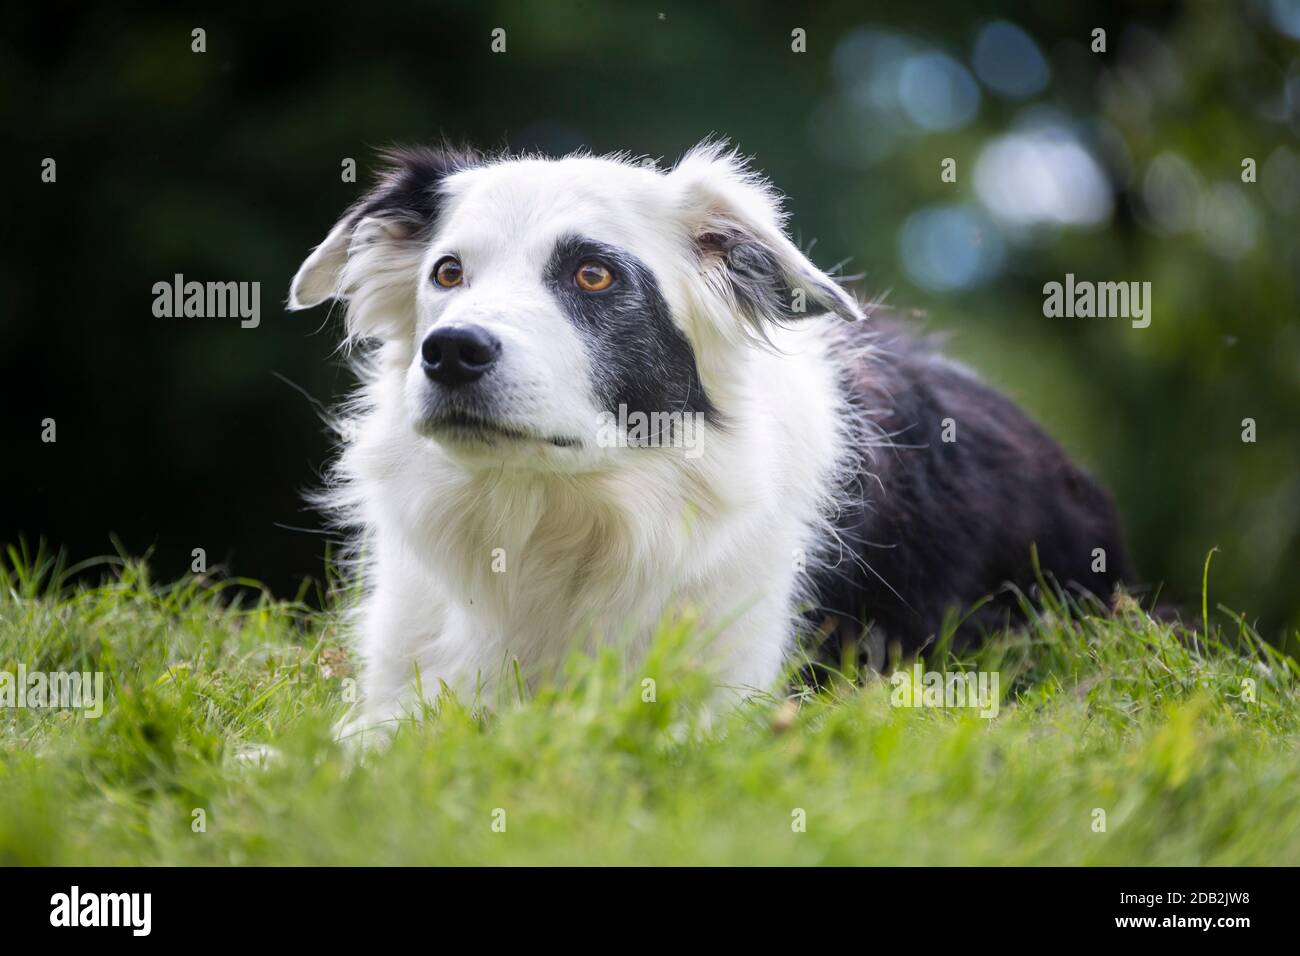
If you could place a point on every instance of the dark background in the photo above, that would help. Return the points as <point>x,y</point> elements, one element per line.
<point>1124,166</point>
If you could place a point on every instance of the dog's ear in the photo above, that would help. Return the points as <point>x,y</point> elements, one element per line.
<point>321,274</point>
<point>371,257</point>
<point>736,225</point>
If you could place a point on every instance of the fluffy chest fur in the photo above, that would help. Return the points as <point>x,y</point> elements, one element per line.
<point>526,563</point>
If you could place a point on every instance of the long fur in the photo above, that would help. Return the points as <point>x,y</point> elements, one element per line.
<point>477,555</point>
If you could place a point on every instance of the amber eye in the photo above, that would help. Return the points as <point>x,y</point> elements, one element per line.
<point>593,277</point>
<point>448,273</point>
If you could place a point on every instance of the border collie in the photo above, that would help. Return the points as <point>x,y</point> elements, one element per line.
<point>595,391</point>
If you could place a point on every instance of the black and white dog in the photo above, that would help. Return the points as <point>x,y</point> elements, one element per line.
<point>600,391</point>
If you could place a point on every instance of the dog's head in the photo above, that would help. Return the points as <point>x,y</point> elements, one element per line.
<point>537,307</point>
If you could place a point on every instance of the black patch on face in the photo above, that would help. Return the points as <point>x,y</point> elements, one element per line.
<point>409,191</point>
<point>640,359</point>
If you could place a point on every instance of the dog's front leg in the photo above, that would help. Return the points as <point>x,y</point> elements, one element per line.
<point>751,652</point>
<point>409,648</point>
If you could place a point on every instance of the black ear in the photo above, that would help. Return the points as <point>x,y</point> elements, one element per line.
<point>735,219</point>
<point>409,191</point>
<point>404,204</point>
<point>764,287</point>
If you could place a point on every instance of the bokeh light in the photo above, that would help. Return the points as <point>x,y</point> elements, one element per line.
<point>937,92</point>
<point>1042,176</point>
<point>1171,192</point>
<point>1008,61</point>
<point>948,248</point>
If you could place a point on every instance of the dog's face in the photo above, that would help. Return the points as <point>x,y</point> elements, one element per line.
<point>535,304</point>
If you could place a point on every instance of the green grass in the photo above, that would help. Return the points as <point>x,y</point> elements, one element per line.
<point>1121,714</point>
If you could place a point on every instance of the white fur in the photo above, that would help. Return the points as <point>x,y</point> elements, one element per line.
<point>599,543</point>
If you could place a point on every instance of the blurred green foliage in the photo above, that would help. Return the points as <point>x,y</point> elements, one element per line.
<point>177,434</point>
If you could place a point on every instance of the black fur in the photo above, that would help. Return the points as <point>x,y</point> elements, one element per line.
<point>639,358</point>
<point>943,525</point>
<point>762,287</point>
<point>409,189</point>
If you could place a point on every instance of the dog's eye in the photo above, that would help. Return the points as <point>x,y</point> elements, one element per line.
<point>447,273</point>
<point>593,277</point>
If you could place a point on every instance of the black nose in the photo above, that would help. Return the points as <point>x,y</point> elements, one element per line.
<point>458,354</point>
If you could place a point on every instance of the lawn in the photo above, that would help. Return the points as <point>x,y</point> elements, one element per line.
<point>1118,740</point>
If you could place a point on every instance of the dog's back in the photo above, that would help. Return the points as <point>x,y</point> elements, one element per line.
<point>952,508</point>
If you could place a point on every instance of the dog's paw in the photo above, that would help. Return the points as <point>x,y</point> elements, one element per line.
<point>256,756</point>
<point>364,733</point>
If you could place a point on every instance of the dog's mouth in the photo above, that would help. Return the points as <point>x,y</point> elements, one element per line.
<point>472,429</point>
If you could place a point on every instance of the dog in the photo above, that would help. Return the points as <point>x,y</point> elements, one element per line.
<point>595,390</point>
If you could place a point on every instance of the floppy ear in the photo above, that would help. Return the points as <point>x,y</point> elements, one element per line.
<point>321,273</point>
<point>735,221</point>
<point>371,258</point>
